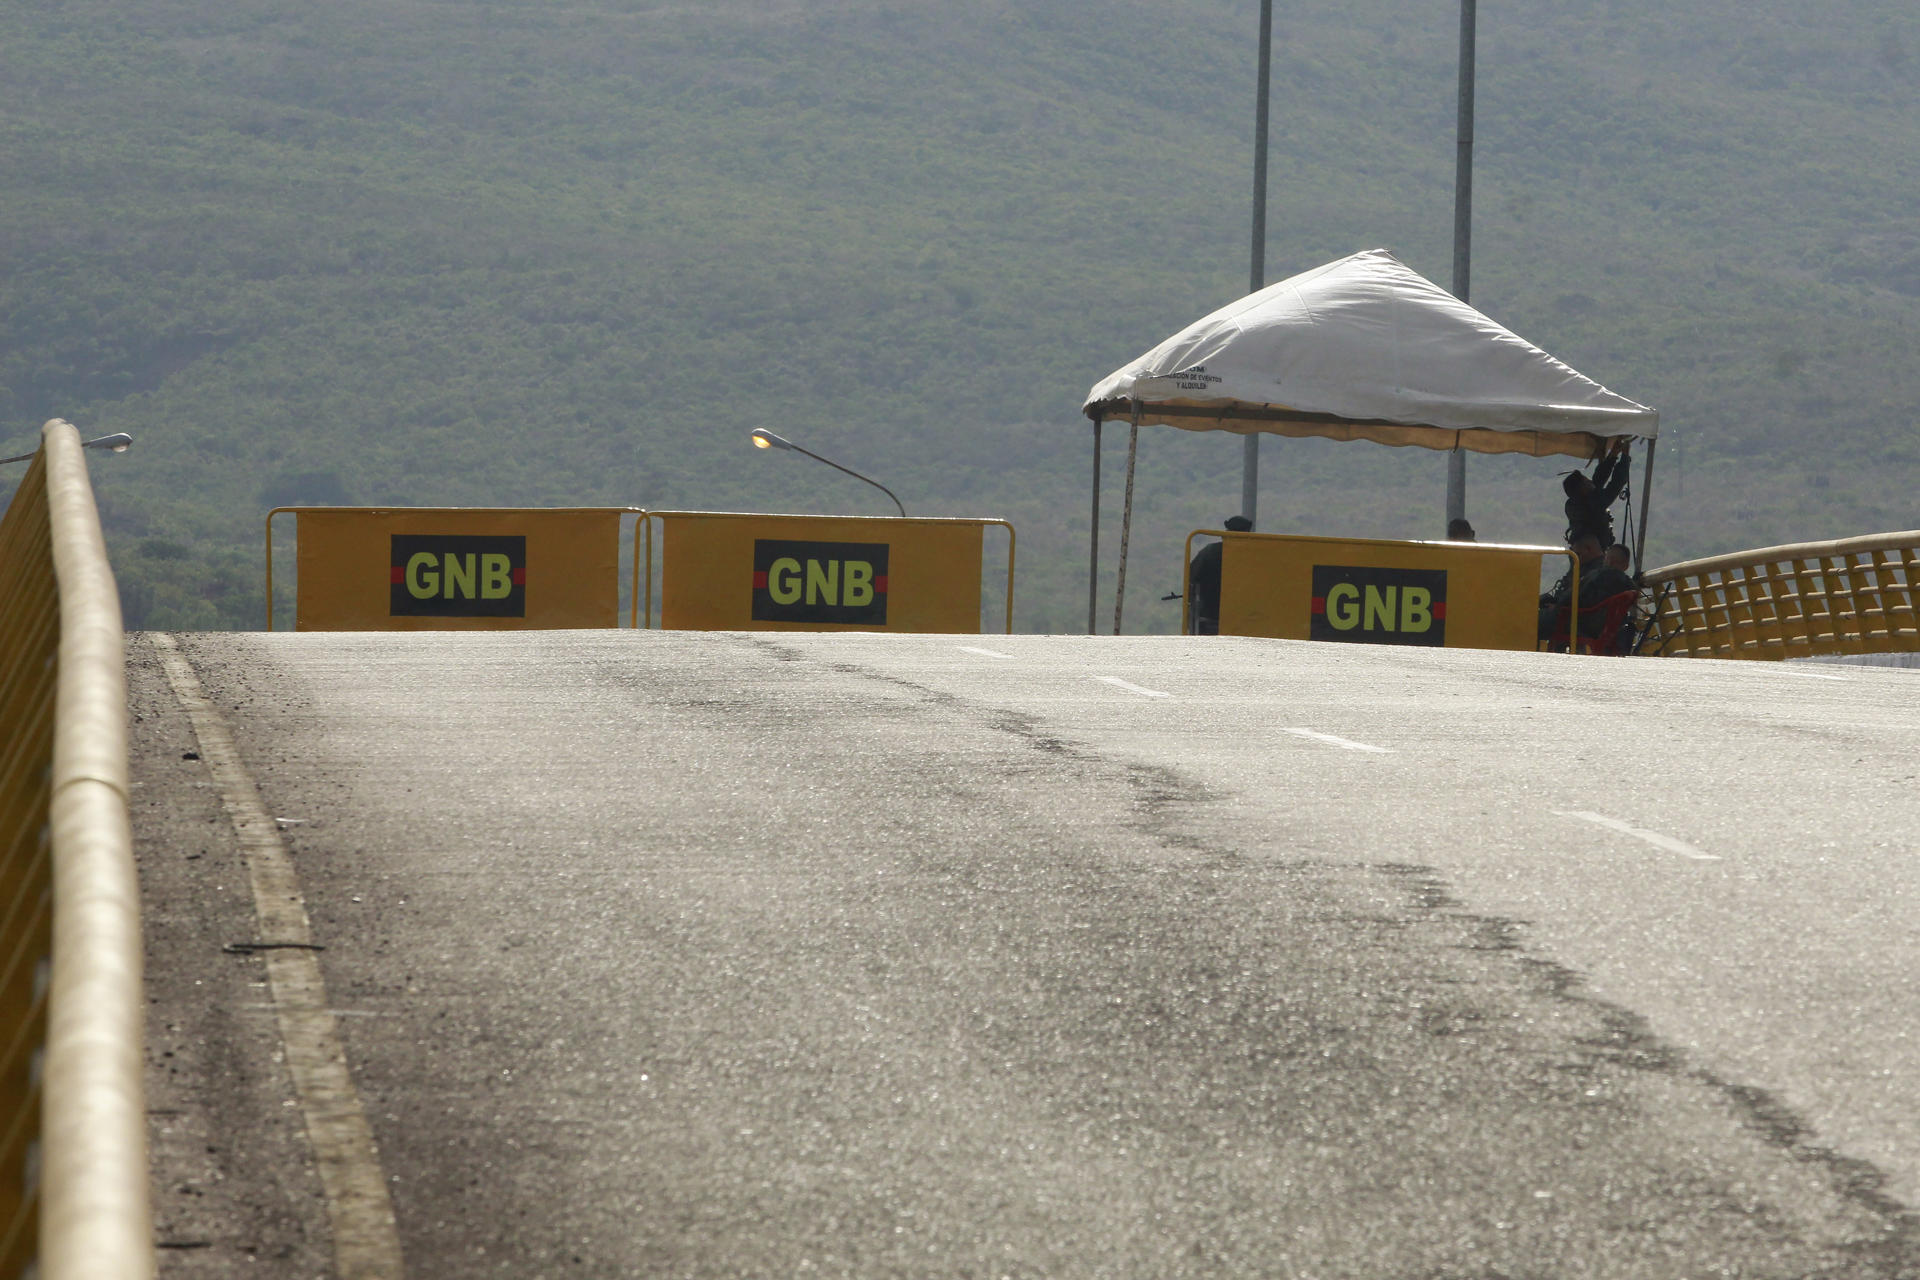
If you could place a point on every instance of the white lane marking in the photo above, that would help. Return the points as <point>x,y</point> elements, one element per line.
<point>985,653</point>
<point>1654,838</point>
<point>1812,675</point>
<point>1346,743</point>
<point>366,1242</point>
<point>1130,687</point>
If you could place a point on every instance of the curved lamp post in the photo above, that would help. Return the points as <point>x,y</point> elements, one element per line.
<point>118,442</point>
<point>765,439</point>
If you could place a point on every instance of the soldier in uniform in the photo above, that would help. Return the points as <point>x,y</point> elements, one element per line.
<point>1203,591</point>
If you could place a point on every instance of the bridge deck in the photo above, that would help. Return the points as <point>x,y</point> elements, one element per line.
<point>705,955</point>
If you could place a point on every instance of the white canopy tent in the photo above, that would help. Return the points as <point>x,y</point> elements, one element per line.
<point>1361,349</point>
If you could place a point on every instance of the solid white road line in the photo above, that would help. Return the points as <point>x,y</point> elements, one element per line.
<point>366,1241</point>
<point>1345,743</point>
<point>1812,675</point>
<point>1653,838</point>
<point>1130,687</point>
<point>985,653</point>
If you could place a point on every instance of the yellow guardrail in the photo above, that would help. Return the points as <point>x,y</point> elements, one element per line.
<point>73,1166</point>
<point>354,583</point>
<point>1855,595</point>
<point>1280,583</point>
<point>928,571</point>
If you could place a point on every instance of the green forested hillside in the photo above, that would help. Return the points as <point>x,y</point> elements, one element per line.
<point>383,251</point>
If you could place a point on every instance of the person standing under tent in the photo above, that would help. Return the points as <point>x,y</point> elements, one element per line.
<point>1203,583</point>
<point>1588,498</point>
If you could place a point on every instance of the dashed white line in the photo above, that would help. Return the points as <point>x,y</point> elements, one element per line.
<point>1347,744</point>
<point>1654,838</point>
<point>1131,687</point>
<point>985,653</point>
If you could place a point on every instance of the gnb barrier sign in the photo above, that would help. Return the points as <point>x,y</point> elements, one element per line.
<point>728,571</point>
<point>458,576</point>
<point>1368,591</point>
<point>1379,606</point>
<point>843,583</point>
<point>424,568</point>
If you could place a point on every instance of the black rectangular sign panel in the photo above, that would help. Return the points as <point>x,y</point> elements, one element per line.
<point>459,575</point>
<point>1365,605</point>
<point>843,582</point>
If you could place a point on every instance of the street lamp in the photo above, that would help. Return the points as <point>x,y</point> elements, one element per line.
<point>118,442</point>
<point>765,439</point>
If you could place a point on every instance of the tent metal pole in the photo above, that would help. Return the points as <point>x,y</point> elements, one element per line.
<point>1646,504</point>
<point>1093,538</point>
<point>1126,520</point>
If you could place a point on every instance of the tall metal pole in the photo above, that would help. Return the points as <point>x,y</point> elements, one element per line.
<point>1257,270</point>
<point>1462,231</point>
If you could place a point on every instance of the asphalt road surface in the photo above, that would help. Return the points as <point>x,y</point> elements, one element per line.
<point>658,954</point>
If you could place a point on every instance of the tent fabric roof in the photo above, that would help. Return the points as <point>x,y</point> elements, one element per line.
<point>1367,349</point>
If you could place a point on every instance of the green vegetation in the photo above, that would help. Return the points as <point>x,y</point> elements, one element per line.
<point>530,254</point>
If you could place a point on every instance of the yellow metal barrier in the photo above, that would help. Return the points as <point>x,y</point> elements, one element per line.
<point>1857,595</point>
<point>455,568</point>
<point>1457,595</point>
<point>29,637</point>
<point>73,1169</point>
<point>738,571</point>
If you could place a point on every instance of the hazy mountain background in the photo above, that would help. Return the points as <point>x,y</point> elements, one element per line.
<point>388,251</point>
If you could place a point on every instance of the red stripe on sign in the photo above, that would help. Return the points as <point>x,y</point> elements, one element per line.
<point>759,580</point>
<point>1439,610</point>
<point>520,576</point>
<point>1319,604</point>
<point>399,575</point>
<point>880,585</point>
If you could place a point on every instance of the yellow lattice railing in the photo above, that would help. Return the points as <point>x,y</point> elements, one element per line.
<point>73,1168</point>
<point>1858,595</point>
<point>29,633</point>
